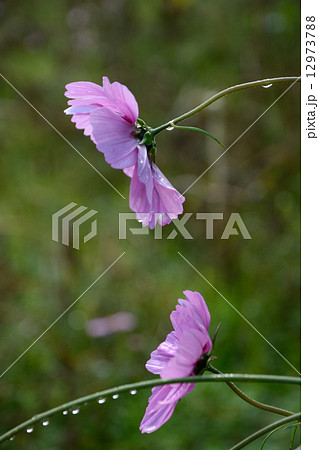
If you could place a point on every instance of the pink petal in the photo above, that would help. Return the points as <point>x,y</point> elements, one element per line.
<point>163,353</point>
<point>138,198</point>
<point>87,96</point>
<point>170,345</point>
<point>83,89</point>
<point>190,315</point>
<point>146,219</point>
<point>144,172</point>
<point>176,392</point>
<point>162,404</point>
<point>169,200</point>
<point>199,303</point>
<point>168,393</point>
<point>159,394</point>
<point>189,352</point>
<point>113,137</point>
<point>153,420</point>
<point>80,109</point>
<point>183,318</point>
<point>89,100</point>
<point>123,97</point>
<point>97,102</point>
<point>82,122</point>
<point>157,363</point>
<point>129,171</point>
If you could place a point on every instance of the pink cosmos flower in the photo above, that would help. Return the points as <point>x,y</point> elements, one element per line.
<point>109,115</point>
<point>178,356</point>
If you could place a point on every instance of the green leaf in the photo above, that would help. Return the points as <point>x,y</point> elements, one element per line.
<point>200,131</point>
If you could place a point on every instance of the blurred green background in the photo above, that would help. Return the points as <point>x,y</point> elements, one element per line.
<point>172,55</point>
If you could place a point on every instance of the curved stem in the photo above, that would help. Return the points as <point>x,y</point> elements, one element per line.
<point>270,434</point>
<point>293,435</point>
<point>250,400</point>
<point>237,87</point>
<point>247,378</point>
<point>257,404</point>
<point>265,430</point>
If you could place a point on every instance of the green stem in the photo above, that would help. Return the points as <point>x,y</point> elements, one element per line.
<point>237,87</point>
<point>250,400</point>
<point>293,435</point>
<point>257,404</point>
<point>265,430</point>
<point>270,434</point>
<point>246,378</point>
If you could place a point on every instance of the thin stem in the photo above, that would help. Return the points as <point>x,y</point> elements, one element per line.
<point>237,87</point>
<point>293,435</point>
<point>250,400</point>
<point>265,430</point>
<point>257,404</point>
<point>246,378</point>
<point>270,434</point>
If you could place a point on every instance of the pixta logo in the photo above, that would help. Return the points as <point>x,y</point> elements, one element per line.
<point>234,226</point>
<point>69,221</point>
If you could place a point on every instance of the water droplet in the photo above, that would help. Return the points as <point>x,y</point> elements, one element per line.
<point>170,127</point>
<point>12,437</point>
<point>115,396</point>
<point>133,392</point>
<point>45,423</point>
<point>75,411</point>
<point>101,401</point>
<point>266,86</point>
<point>29,430</point>
<point>65,412</point>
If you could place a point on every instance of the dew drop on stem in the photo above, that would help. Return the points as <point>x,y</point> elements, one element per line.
<point>45,423</point>
<point>29,430</point>
<point>133,392</point>
<point>115,396</point>
<point>101,401</point>
<point>266,86</point>
<point>75,411</point>
<point>65,412</point>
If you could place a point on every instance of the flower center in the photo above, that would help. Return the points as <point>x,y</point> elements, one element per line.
<point>201,364</point>
<point>144,136</point>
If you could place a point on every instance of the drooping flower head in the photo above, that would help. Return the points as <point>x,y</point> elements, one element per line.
<point>180,355</point>
<point>109,115</point>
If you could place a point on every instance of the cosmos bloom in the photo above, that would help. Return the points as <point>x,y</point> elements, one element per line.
<point>109,115</point>
<point>180,355</point>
